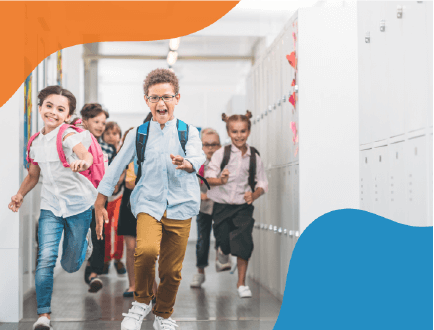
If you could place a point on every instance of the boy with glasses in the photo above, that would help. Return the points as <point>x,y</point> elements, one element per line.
<point>164,200</point>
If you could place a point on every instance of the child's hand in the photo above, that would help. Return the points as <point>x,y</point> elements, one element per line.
<point>79,166</point>
<point>182,163</point>
<point>101,215</point>
<point>225,176</point>
<point>203,197</point>
<point>16,202</point>
<point>248,197</point>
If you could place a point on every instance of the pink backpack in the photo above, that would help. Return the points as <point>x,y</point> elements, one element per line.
<point>95,172</point>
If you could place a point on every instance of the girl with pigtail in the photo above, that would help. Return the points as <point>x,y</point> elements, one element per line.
<point>237,177</point>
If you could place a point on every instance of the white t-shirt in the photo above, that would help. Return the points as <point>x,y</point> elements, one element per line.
<point>65,193</point>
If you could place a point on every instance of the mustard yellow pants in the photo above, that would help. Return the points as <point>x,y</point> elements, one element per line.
<point>167,238</point>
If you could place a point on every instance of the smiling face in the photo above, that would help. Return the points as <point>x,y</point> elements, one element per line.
<point>238,132</point>
<point>54,111</point>
<point>162,111</point>
<point>96,125</point>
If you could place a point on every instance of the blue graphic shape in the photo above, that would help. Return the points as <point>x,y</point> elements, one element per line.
<point>352,269</point>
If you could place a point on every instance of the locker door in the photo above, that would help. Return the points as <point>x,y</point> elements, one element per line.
<point>430,181</point>
<point>278,96</point>
<point>263,117</point>
<point>366,191</point>
<point>380,181</point>
<point>417,182</point>
<point>365,93</point>
<point>397,85</point>
<point>274,236</point>
<point>296,199</point>
<point>396,176</point>
<point>417,43</point>
<point>430,27</point>
<point>271,117</point>
<point>379,64</point>
<point>296,75</point>
<point>286,106</point>
<point>287,240</point>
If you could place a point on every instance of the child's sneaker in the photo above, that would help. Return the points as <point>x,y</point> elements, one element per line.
<point>198,279</point>
<point>89,245</point>
<point>164,324</point>
<point>43,323</point>
<point>223,261</point>
<point>133,320</point>
<point>244,292</point>
<point>120,268</point>
<point>95,285</point>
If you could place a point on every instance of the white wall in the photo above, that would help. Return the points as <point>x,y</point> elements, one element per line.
<point>10,275</point>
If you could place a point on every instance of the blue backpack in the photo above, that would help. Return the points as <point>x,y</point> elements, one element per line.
<point>142,139</point>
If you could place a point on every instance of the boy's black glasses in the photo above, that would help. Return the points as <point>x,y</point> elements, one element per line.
<point>165,98</point>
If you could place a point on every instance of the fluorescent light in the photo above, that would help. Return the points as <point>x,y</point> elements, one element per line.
<point>172,57</point>
<point>174,43</point>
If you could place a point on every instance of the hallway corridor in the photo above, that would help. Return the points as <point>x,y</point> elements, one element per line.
<point>214,307</point>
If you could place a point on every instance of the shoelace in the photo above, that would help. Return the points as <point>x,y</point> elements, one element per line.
<point>135,313</point>
<point>168,324</point>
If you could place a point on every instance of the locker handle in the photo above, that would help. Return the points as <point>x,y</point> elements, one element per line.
<point>297,234</point>
<point>269,109</point>
<point>285,232</point>
<point>279,230</point>
<point>270,228</point>
<point>291,233</point>
<point>284,98</point>
<point>275,229</point>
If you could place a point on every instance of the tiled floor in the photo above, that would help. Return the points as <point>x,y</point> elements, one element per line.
<point>214,307</point>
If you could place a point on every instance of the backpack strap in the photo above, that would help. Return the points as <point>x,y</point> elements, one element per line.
<point>252,168</point>
<point>182,133</point>
<point>226,156</point>
<point>141,140</point>
<point>59,141</point>
<point>28,159</point>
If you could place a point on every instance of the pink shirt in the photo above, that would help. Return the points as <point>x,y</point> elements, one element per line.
<point>233,191</point>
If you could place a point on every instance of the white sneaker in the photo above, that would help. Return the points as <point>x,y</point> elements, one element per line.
<point>164,324</point>
<point>197,281</point>
<point>89,245</point>
<point>244,292</point>
<point>133,320</point>
<point>43,323</point>
<point>223,261</point>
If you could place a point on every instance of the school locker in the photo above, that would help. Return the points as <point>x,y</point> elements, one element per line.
<point>263,117</point>
<point>417,181</point>
<point>271,112</point>
<point>275,252</point>
<point>430,181</point>
<point>430,28</point>
<point>396,175</point>
<point>278,101</point>
<point>417,41</point>
<point>366,186</point>
<point>286,106</point>
<point>365,91</point>
<point>397,85</point>
<point>378,33</point>
<point>380,181</point>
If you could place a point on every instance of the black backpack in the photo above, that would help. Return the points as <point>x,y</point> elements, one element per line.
<point>252,166</point>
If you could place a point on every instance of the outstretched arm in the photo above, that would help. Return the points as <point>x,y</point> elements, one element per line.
<point>28,184</point>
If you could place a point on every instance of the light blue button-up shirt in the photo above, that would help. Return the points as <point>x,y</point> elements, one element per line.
<point>161,187</point>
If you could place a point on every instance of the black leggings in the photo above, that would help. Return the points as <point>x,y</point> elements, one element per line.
<point>97,258</point>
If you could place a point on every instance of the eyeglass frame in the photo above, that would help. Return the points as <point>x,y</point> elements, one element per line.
<point>161,98</point>
<point>213,145</point>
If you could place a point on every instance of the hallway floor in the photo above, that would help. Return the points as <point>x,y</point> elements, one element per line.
<point>216,306</point>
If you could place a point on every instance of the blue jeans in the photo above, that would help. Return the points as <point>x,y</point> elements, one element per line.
<point>50,231</point>
<point>204,224</point>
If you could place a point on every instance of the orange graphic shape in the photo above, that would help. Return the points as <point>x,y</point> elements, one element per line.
<point>32,30</point>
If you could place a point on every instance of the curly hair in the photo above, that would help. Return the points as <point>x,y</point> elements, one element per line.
<point>91,110</point>
<point>245,118</point>
<point>160,76</point>
<point>58,90</point>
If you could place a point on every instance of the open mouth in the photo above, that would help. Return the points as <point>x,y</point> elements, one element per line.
<point>162,112</point>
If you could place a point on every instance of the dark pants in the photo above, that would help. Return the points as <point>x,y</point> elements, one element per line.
<point>233,227</point>
<point>97,258</point>
<point>204,224</point>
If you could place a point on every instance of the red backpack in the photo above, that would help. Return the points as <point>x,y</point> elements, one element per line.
<point>95,172</point>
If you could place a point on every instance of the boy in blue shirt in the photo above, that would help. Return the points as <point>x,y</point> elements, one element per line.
<point>164,200</point>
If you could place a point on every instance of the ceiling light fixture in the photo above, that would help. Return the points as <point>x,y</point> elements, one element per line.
<point>174,43</point>
<point>172,57</point>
